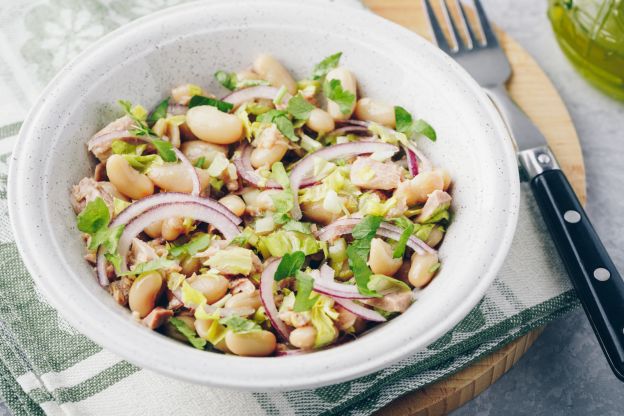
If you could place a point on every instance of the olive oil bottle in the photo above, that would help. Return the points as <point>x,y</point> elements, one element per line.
<point>591,34</point>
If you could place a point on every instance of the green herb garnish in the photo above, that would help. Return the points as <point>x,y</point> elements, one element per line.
<point>198,100</point>
<point>322,68</point>
<point>94,220</point>
<point>357,252</point>
<point>150,266</point>
<point>406,125</point>
<point>399,250</point>
<point>304,286</point>
<point>289,265</point>
<point>281,120</point>
<point>333,91</point>
<point>299,107</point>
<point>188,332</point>
<point>227,79</point>
<point>165,150</point>
<point>159,112</point>
<point>238,324</point>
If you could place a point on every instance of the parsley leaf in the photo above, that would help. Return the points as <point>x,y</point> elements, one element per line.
<point>188,332</point>
<point>150,266</point>
<point>193,246</point>
<point>239,324</point>
<point>199,163</point>
<point>283,123</point>
<point>322,68</point>
<point>358,251</point>
<point>227,79</point>
<point>304,286</point>
<point>165,150</point>
<point>93,217</point>
<point>140,162</point>
<point>399,250</point>
<point>137,114</point>
<point>333,91</point>
<point>367,228</point>
<point>403,120</point>
<point>405,124</point>
<point>299,107</point>
<point>289,265</point>
<point>159,112</point>
<point>108,237</point>
<point>424,128</point>
<point>198,100</point>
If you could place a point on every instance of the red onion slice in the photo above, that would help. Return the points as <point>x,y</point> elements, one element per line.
<point>352,122</point>
<point>359,310</point>
<point>191,171</point>
<point>357,130</point>
<point>412,161</point>
<point>266,296</point>
<point>387,230</point>
<point>325,284</point>
<point>253,93</point>
<point>248,173</point>
<point>305,165</point>
<point>107,138</point>
<point>191,210</point>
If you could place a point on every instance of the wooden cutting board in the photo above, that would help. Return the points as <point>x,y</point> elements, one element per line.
<point>534,92</point>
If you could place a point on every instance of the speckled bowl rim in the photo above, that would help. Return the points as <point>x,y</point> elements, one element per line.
<point>335,365</point>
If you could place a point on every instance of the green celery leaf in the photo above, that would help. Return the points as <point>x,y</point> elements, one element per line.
<point>403,120</point>
<point>399,250</point>
<point>304,286</point>
<point>165,150</point>
<point>188,332</point>
<point>239,324</point>
<point>227,79</point>
<point>150,266</point>
<point>159,112</point>
<point>198,100</point>
<point>198,243</point>
<point>367,228</point>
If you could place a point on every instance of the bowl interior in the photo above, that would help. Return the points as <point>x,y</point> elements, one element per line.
<point>142,62</point>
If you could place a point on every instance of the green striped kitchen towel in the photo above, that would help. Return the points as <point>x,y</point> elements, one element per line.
<point>46,367</point>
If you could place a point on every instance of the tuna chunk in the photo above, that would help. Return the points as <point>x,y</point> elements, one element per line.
<point>120,290</point>
<point>157,317</point>
<point>436,202</point>
<point>102,148</point>
<point>368,173</point>
<point>88,190</point>
<point>392,302</point>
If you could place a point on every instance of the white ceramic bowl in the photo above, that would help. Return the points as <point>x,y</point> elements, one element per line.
<point>142,61</point>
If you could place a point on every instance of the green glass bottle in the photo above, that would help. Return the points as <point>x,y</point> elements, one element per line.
<point>591,34</point>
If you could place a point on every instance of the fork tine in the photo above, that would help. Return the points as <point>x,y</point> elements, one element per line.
<point>471,36</point>
<point>453,27</point>
<point>488,33</point>
<point>438,34</point>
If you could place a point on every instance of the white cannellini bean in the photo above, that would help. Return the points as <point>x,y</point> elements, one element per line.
<point>349,83</point>
<point>420,271</point>
<point>320,121</point>
<point>212,286</point>
<point>144,292</point>
<point>234,203</point>
<point>195,149</point>
<point>126,179</point>
<point>303,337</point>
<point>271,70</point>
<point>417,189</point>
<point>174,177</point>
<point>251,344</point>
<point>214,126</point>
<point>380,258</point>
<point>379,112</point>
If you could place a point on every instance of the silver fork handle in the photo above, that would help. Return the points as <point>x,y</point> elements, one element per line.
<point>517,121</point>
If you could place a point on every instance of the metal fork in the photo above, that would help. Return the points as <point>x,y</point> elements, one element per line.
<point>598,284</point>
<point>487,64</point>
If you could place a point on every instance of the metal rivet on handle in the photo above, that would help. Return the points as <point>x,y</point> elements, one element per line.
<point>572,216</point>
<point>543,159</point>
<point>602,274</point>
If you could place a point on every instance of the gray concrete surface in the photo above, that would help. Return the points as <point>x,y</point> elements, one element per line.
<point>565,373</point>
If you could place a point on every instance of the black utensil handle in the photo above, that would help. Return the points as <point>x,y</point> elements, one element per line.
<point>598,284</point>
